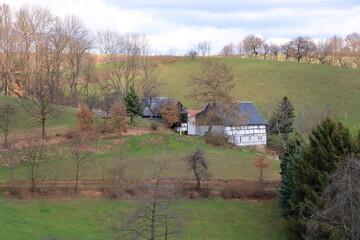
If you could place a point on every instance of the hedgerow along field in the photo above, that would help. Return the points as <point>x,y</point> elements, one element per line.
<point>313,85</point>
<point>89,218</point>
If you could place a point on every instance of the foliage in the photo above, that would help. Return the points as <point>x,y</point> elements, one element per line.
<point>287,167</point>
<point>118,117</point>
<point>282,120</point>
<point>132,103</point>
<point>170,113</point>
<point>261,164</point>
<point>85,120</point>
<point>329,142</point>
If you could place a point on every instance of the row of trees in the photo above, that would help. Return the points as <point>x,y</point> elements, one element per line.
<point>48,59</point>
<point>344,52</point>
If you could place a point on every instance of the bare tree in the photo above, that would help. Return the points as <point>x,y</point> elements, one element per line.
<point>274,49</point>
<point>307,118</point>
<point>203,48</point>
<point>198,165</point>
<point>302,47</point>
<point>7,112</point>
<point>288,50</point>
<point>266,49</point>
<point>39,106</point>
<point>338,51</point>
<point>32,23</point>
<point>81,154</point>
<point>78,47</point>
<point>323,50</point>
<point>9,50</point>
<point>239,48</point>
<point>352,41</point>
<point>228,50</point>
<point>340,219</point>
<point>126,61</point>
<point>154,218</point>
<point>34,156</point>
<point>252,44</point>
<point>192,53</point>
<point>213,86</point>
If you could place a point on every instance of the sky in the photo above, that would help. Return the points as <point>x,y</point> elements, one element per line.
<point>181,24</point>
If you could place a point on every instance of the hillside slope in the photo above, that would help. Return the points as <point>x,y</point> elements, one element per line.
<point>313,85</point>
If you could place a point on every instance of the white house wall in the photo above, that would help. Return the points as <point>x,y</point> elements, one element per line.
<point>246,135</point>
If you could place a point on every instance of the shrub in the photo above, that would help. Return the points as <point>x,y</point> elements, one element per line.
<point>217,140</point>
<point>154,126</point>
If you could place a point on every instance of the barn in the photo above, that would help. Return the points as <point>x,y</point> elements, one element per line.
<point>249,131</point>
<point>152,107</point>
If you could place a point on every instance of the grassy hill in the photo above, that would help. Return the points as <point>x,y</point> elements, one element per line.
<point>313,85</point>
<point>142,155</point>
<point>23,125</point>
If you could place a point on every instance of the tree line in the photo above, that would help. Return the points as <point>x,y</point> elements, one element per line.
<point>49,59</point>
<point>335,50</point>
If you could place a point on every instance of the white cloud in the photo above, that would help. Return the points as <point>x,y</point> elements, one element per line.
<point>182,29</point>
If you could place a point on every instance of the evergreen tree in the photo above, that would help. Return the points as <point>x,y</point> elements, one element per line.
<point>329,142</point>
<point>132,103</point>
<point>288,165</point>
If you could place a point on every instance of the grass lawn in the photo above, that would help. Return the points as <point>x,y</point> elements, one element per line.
<point>78,218</point>
<point>313,85</point>
<point>142,155</point>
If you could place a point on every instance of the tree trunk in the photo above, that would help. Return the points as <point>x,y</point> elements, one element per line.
<point>43,133</point>
<point>153,221</point>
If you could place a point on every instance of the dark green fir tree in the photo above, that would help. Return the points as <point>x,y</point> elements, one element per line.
<point>288,165</point>
<point>282,120</point>
<point>329,142</point>
<point>133,105</point>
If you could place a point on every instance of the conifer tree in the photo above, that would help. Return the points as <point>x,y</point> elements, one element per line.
<point>329,142</point>
<point>133,105</point>
<point>282,120</point>
<point>288,165</point>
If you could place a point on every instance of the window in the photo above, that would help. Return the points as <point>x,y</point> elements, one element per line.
<point>260,138</point>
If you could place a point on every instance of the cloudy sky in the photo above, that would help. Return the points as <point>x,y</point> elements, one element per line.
<point>181,24</point>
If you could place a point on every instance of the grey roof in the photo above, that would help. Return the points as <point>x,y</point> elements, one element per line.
<point>247,111</point>
<point>156,104</point>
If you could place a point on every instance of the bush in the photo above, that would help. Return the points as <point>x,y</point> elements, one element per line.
<point>217,140</point>
<point>247,191</point>
<point>154,126</point>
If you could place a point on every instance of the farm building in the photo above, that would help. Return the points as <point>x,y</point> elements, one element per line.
<point>152,108</point>
<point>240,122</point>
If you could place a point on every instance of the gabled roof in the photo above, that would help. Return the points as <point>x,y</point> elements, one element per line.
<point>156,104</point>
<point>193,112</point>
<point>247,111</point>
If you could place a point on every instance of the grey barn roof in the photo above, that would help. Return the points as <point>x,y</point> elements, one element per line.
<point>156,104</point>
<point>247,109</point>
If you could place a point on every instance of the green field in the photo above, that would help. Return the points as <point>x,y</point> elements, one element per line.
<point>312,85</point>
<point>142,155</point>
<point>88,218</point>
